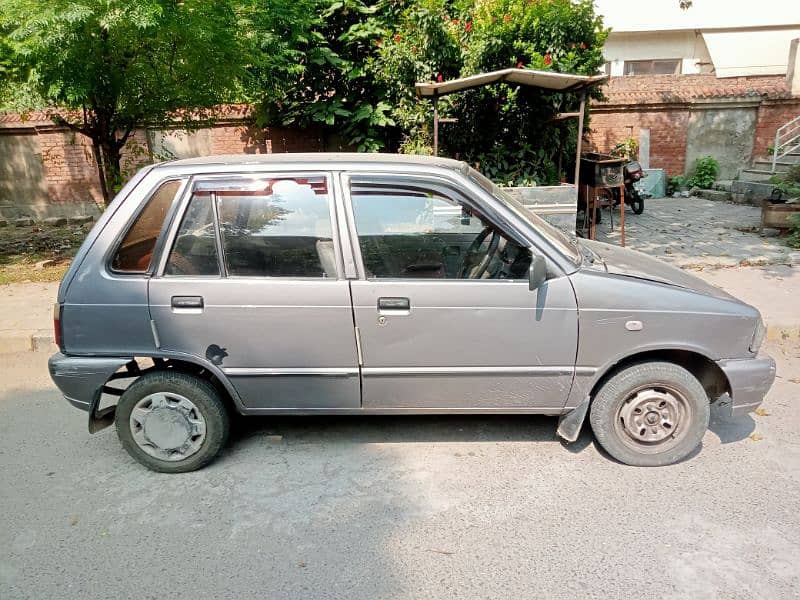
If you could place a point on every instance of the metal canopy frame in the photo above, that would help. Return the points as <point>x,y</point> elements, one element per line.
<point>549,80</point>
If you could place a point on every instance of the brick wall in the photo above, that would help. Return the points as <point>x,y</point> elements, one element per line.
<point>771,115</point>
<point>663,103</point>
<point>668,133</point>
<point>70,171</point>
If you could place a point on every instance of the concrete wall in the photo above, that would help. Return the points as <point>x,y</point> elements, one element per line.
<point>724,131</point>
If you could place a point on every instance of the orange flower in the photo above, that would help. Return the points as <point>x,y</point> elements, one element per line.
<point>548,60</point>
<point>506,18</point>
<point>397,38</point>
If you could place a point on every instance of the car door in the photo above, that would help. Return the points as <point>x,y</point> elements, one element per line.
<point>251,283</point>
<point>443,309</point>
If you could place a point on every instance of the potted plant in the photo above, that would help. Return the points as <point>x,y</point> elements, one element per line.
<point>777,213</point>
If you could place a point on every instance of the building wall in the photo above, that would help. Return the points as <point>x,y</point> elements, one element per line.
<point>685,45</point>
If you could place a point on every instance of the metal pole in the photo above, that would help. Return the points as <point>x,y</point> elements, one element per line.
<point>578,150</point>
<point>775,149</point>
<point>436,125</point>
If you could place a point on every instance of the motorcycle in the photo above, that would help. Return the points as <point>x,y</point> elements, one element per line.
<point>631,172</point>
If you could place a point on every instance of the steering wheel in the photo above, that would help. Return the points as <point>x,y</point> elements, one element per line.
<point>468,271</point>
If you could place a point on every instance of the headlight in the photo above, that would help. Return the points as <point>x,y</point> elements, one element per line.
<point>758,337</point>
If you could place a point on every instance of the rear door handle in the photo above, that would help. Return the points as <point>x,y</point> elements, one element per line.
<point>390,304</point>
<point>187,303</point>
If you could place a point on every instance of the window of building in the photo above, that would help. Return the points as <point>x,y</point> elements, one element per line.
<point>415,232</point>
<point>195,249</point>
<point>135,253</point>
<point>671,66</point>
<point>277,228</point>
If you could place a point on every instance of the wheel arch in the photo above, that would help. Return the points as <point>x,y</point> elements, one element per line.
<point>100,418</point>
<point>708,373</point>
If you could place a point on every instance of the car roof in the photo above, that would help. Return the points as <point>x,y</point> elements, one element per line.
<point>329,159</point>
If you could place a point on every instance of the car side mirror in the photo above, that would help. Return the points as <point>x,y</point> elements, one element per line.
<point>537,274</point>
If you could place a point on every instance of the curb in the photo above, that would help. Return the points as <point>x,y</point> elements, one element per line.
<point>42,340</point>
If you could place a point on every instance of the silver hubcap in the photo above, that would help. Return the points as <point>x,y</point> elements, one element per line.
<point>653,415</point>
<point>167,426</point>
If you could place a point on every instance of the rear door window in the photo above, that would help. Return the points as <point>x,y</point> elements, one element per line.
<point>277,227</point>
<point>135,252</point>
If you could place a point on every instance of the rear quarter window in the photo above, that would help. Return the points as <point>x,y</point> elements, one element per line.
<point>135,252</point>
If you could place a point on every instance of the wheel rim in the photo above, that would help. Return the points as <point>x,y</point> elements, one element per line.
<point>167,426</point>
<point>653,418</point>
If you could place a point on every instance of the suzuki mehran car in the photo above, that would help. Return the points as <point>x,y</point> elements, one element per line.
<point>381,284</point>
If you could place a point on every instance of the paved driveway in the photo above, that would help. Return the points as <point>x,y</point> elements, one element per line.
<point>395,507</point>
<point>699,233</point>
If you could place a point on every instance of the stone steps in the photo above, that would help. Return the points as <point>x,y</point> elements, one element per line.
<point>756,175</point>
<point>750,192</point>
<point>782,166</point>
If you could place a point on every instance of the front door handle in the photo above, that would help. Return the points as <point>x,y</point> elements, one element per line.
<point>394,305</point>
<point>187,303</point>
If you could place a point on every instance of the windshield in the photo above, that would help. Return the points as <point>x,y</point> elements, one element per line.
<point>565,243</point>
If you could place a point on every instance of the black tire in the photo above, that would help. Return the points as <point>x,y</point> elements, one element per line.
<point>636,386</point>
<point>638,205</point>
<point>205,398</point>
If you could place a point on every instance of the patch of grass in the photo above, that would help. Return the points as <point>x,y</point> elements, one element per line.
<point>22,248</point>
<point>23,270</point>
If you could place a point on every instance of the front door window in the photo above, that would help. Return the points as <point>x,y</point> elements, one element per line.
<point>420,233</point>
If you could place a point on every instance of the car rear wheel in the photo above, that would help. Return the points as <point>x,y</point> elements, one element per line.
<point>650,414</point>
<point>172,422</point>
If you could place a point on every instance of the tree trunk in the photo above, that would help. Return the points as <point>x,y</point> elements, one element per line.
<point>101,172</point>
<point>109,168</point>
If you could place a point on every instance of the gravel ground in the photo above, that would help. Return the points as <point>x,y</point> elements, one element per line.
<point>395,507</point>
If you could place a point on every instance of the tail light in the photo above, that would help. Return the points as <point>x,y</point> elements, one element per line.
<point>57,323</point>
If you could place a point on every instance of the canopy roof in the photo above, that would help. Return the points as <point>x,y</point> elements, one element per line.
<point>563,82</point>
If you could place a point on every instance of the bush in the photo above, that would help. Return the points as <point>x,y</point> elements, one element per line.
<point>677,183</point>
<point>704,173</point>
<point>794,234</point>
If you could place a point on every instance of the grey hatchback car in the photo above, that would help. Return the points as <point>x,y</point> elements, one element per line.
<point>382,284</point>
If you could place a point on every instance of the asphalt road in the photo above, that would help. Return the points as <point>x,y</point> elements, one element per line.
<point>395,507</point>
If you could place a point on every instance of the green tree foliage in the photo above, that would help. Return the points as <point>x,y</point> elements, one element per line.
<point>106,67</point>
<point>508,131</point>
<point>347,66</point>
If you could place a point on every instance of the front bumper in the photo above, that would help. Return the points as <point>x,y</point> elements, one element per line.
<point>81,378</point>
<point>750,380</point>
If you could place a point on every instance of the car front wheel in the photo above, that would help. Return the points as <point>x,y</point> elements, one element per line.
<point>172,422</point>
<point>650,414</point>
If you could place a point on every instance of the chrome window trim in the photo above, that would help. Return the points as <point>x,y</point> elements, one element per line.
<point>284,372</point>
<point>534,371</point>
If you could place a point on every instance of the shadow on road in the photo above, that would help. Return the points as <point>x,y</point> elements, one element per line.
<point>399,429</point>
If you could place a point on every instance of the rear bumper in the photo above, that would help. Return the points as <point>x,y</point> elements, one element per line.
<point>81,378</point>
<point>750,380</point>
